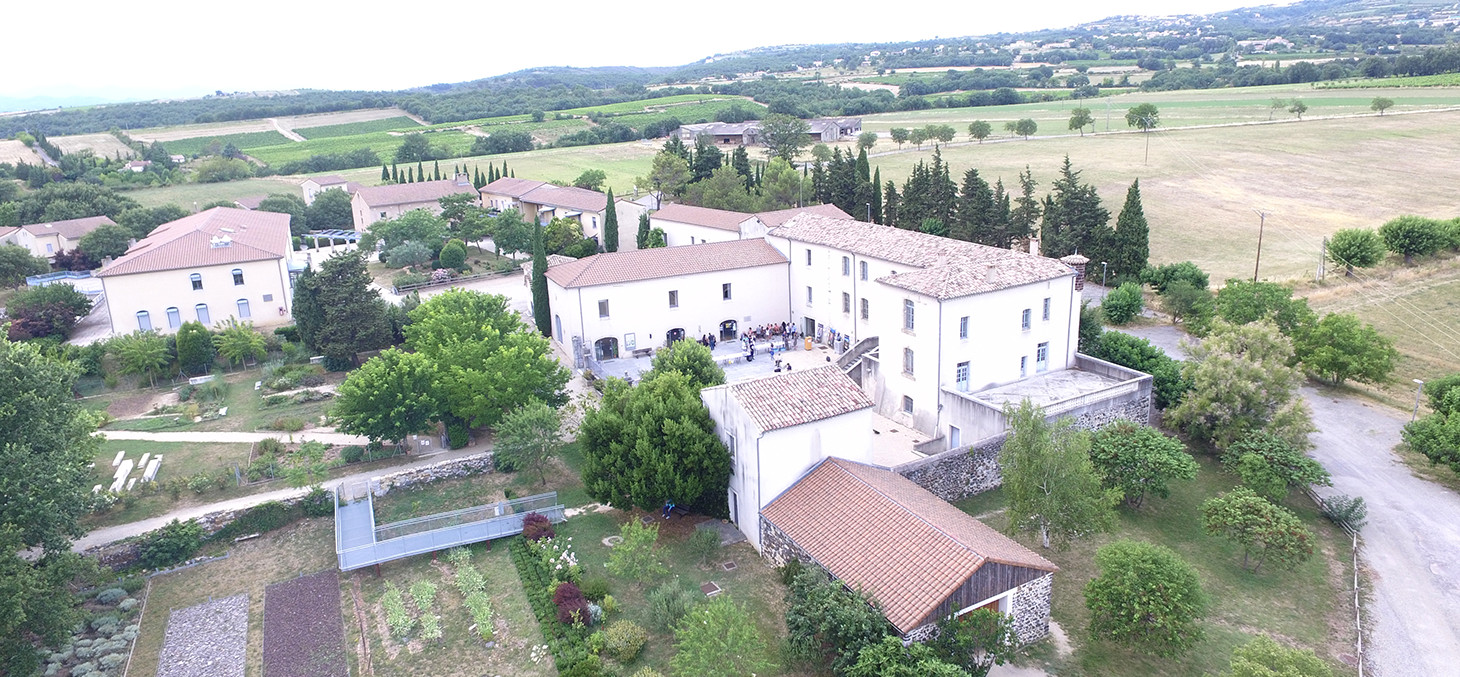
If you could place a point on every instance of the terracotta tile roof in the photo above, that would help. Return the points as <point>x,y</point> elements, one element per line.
<point>874,529</point>
<point>649,264</point>
<point>71,229</point>
<point>407,193</point>
<point>552,260</point>
<point>251,202</point>
<point>702,216</point>
<point>7,230</point>
<point>580,199</point>
<point>787,400</point>
<point>190,242</point>
<point>942,267</point>
<point>776,218</point>
<point>511,187</point>
<point>328,180</point>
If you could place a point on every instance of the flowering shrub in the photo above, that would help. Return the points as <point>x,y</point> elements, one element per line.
<point>536,527</point>
<point>557,558</point>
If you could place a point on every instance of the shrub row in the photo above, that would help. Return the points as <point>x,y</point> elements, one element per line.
<point>566,642</point>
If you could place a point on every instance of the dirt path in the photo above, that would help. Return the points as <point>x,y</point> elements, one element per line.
<point>323,435</point>
<point>285,130</point>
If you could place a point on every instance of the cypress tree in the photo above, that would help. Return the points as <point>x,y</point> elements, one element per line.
<point>876,196</point>
<point>1025,214</point>
<point>890,216</point>
<point>642,240</point>
<point>410,175</point>
<point>999,218</point>
<point>610,225</point>
<point>437,165</point>
<point>420,171</point>
<point>1132,240</point>
<point>384,172</point>
<point>541,314</point>
<point>975,211</point>
<point>395,172</point>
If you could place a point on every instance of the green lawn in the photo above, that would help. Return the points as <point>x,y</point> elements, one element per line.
<point>181,460</point>
<point>246,410</point>
<point>245,140</point>
<point>383,143</point>
<point>353,128</point>
<point>1309,606</point>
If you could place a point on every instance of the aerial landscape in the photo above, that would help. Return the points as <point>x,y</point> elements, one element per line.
<point>1026,341</point>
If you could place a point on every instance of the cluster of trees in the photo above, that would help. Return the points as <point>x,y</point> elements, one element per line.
<point>704,176</point>
<point>467,361</point>
<point>1437,434</point>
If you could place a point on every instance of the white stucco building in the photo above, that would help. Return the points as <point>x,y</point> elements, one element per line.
<point>53,237</point>
<point>778,427</point>
<point>314,185</point>
<point>541,202</point>
<point>377,203</point>
<point>211,266</point>
<point>686,224</point>
<point>615,303</point>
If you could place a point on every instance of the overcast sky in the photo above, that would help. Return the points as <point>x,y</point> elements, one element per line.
<point>154,48</point>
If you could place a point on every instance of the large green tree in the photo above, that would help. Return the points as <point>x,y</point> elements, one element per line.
<point>979,129</point>
<point>194,348</point>
<point>542,314</point>
<point>1137,353</point>
<point>1355,248</point>
<point>487,360</point>
<point>1242,301</point>
<point>1145,597</point>
<point>291,204</point>
<point>528,438</point>
<point>17,263</point>
<point>668,173</point>
<point>1411,236</point>
<point>510,232</point>
<point>1144,117</point>
<point>828,623</point>
<point>237,342</point>
<point>1265,531</point>
<point>143,353</point>
<point>1131,243</point>
<point>1341,347</point>
<point>890,658</point>
<point>1074,219</point>
<point>46,442</point>
<point>719,639</point>
<point>691,359</point>
<point>1051,484</point>
<point>1262,657</point>
<point>976,641</point>
<point>784,136</point>
<point>390,397</point>
<point>1138,460</point>
<point>52,310</point>
<point>654,442</point>
<point>1080,118</point>
<point>331,209</point>
<point>1271,466</point>
<point>106,242</point>
<point>338,313</point>
<point>1240,383</point>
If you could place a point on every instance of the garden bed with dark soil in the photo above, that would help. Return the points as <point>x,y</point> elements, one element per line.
<point>304,633</point>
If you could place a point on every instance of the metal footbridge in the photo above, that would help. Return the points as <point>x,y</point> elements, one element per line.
<point>360,542</point>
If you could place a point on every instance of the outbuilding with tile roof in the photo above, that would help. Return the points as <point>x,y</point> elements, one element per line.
<point>377,203</point>
<point>917,556</point>
<point>48,238</point>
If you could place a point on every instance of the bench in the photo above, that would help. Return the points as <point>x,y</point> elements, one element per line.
<point>643,352</point>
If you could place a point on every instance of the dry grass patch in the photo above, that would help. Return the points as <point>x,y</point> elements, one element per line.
<point>15,152</point>
<point>103,145</point>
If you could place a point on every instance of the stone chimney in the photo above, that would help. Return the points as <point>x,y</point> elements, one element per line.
<point>1077,263</point>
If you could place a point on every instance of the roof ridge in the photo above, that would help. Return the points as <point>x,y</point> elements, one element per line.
<point>982,557</point>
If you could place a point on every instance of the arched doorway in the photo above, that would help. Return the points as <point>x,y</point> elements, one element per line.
<point>728,330</point>
<point>676,334</point>
<point>605,348</point>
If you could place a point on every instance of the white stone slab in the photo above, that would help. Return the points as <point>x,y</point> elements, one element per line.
<point>125,470</point>
<point>131,483</point>
<point>150,473</point>
<point>96,489</point>
<point>143,463</point>
<point>118,460</point>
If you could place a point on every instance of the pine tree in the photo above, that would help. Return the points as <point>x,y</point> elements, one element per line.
<point>642,239</point>
<point>384,172</point>
<point>1025,215</point>
<point>1077,222</point>
<point>1000,222</point>
<point>610,225</point>
<point>740,160</point>
<point>541,314</point>
<point>890,205</point>
<point>975,211</point>
<point>1132,241</point>
<point>876,196</point>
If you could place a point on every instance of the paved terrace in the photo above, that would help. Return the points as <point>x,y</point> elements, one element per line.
<point>1048,388</point>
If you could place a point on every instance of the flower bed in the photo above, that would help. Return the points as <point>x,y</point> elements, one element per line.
<point>207,640</point>
<point>303,630</point>
<point>567,643</point>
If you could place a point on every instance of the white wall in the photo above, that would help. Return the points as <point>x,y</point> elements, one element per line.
<point>764,464</point>
<point>312,190</point>
<point>628,223</point>
<point>758,296</point>
<point>677,233</point>
<point>367,214</point>
<point>156,292</point>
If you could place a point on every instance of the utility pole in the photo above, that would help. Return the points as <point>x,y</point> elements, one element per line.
<point>1261,225</point>
<point>1146,126</point>
<point>1419,388</point>
<point>1323,260</point>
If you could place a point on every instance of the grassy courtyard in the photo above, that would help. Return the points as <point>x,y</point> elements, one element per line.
<point>1310,606</point>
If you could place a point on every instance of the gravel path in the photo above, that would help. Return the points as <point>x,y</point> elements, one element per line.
<point>207,640</point>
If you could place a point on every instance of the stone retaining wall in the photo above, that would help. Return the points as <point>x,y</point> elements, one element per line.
<point>959,473</point>
<point>778,548</point>
<point>458,467</point>
<point>1030,609</point>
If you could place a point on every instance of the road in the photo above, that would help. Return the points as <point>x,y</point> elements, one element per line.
<point>116,533</point>
<point>1411,546</point>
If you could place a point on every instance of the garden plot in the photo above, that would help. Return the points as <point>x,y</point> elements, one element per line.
<point>207,640</point>
<point>303,631</point>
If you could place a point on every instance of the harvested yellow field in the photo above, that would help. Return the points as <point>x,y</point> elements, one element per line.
<point>103,145</point>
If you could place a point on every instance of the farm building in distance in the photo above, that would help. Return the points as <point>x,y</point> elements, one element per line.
<point>822,130</point>
<point>377,203</point>
<point>53,237</point>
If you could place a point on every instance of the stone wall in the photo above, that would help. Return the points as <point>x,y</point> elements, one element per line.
<point>959,473</point>
<point>778,548</point>
<point>1030,609</point>
<point>458,467</point>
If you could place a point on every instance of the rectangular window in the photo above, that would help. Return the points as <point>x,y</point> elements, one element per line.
<point>846,303</point>
<point>197,281</point>
<point>734,459</point>
<point>808,257</point>
<point>725,291</point>
<point>674,298</point>
<point>907,315</point>
<point>907,361</point>
<point>863,266</point>
<point>907,404</point>
<point>955,437</point>
<point>50,248</point>
<point>1023,366</point>
<point>603,308</point>
<point>864,309</point>
<point>1046,309</point>
<point>846,267</point>
<point>1041,357</point>
<point>268,298</point>
<point>202,310</point>
<point>960,377</point>
<point>963,327</point>
<point>144,320</point>
<point>243,311</point>
<point>237,277</point>
<point>808,295</point>
<point>1024,320</point>
<point>174,318</point>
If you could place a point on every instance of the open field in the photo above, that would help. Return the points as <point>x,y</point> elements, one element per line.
<point>1418,307</point>
<point>103,145</point>
<point>383,143</point>
<point>305,547</point>
<point>15,152</point>
<point>1310,606</point>
<point>353,128</point>
<point>189,195</point>
<point>1443,80</point>
<point>176,132</point>
<point>245,140</point>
